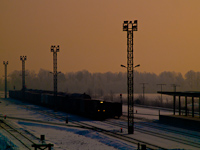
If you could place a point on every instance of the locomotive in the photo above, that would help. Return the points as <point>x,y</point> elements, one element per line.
<point>76,103</point>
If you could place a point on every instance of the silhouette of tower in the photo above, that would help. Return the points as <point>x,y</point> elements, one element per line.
<point>129,27</point>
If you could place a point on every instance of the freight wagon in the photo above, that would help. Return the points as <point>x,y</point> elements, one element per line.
<point>80,104</point>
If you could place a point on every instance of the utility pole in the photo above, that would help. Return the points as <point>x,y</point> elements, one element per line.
<point>23,59</point>
<point>5,63</point>
<point>143,87</point>
<point>55,49</point>
<point>129,27</point>
<point>174,86</point>
<point>161,91</point>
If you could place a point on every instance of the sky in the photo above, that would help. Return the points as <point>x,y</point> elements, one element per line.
<point>91,38</point>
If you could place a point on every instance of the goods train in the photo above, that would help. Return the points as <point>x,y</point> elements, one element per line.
<point>80,104</point>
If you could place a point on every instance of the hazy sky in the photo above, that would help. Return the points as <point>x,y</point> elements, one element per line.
<point>90,34</point>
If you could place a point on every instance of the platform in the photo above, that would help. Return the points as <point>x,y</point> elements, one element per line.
<point>187,122</point>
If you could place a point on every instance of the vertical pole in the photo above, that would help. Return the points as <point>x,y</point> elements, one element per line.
<point>185,105</point>
<point>143,87</point>
<point>174,86</point>
<point>121,98</point>
<point>55,49</point>
<point>130,81</point>
<point>130,27</point>
<point>5,80</point>
<point>23,59</point>
<point>161,95</point>
<point>199,107</point>
<point>55,77</point>
<point>23,75</point>
<point>192,106</point>
<point>5,63</point>
<point>179,106</point>
<point>161,92</point>
<point>174,105</point>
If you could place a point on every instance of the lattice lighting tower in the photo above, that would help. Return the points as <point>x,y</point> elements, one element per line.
<point>130,27</point>
<point>55,49</point>
<point>23,59</point>
<point>5,63</point>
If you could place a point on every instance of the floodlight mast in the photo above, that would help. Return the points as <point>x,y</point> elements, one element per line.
<point>5,63</point>
<point>23,59</point>
<point>55,49</point>
<point>130,27</point>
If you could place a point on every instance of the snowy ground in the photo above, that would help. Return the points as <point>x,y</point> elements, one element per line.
<point>71,138</point>
<point>63,138</point>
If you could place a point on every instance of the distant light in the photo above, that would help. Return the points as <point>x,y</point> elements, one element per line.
<point>98,110</point>
<point>101,101</point>
<point>104,110</point>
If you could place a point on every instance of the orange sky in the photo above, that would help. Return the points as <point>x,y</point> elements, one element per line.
<point>90,34</point>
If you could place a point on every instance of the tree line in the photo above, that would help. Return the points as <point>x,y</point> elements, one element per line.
<point>103,83</point>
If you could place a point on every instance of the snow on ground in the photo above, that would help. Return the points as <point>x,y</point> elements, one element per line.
<point>63,138</point>
<point>5,142</point>
<point>147,113</point>
<point>71,138</point>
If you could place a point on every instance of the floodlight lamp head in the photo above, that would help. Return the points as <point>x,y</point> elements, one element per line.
<point>52,48</point>
<point>135,26</point>
<point>5,62</point>
<point>135,21</point>
<point>57,48</point>
<point>125,26</point>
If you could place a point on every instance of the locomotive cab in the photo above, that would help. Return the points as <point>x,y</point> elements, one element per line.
<point>101,110</point>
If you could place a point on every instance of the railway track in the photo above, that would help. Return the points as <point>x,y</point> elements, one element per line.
<point>25,141</point>
<point>155,125</point>
<point>127,138</point>
<point>119,136</point>
<point>178,136</point>
<point>80,124</point>
<point>94,128</point>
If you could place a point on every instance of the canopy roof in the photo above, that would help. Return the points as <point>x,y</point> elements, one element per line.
<point>186,93</point>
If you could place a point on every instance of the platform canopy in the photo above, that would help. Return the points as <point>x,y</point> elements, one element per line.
<point>186,93</point>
